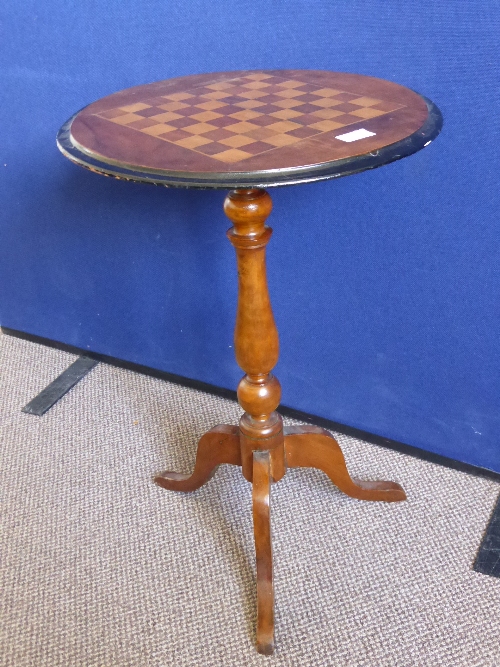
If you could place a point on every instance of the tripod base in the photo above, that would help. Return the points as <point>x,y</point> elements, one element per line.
<point>301,447</point>
<point>260,445</point>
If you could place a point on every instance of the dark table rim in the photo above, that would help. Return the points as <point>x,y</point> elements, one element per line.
<point>252,179</point>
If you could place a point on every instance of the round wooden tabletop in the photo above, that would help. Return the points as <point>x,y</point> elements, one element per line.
<point>250,128</point>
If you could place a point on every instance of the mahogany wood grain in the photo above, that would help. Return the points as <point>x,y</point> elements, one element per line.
<point>219,445</point>
<point>259,444</point>
<point>245,122</point>
<point>261,498</point>
<point>314,447</point>
<point>256,341</point>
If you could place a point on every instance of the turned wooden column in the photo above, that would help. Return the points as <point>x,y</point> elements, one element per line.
<point>259,444</point>
<point>257,347</point>
<point>256,341</point>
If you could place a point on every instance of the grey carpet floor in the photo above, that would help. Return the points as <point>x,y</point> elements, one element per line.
<point>101,568</point>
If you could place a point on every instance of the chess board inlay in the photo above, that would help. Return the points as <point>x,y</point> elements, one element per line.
<point>236,119</point>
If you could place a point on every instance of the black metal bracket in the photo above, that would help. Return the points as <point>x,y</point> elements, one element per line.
<point>60,386</point>
<point>488,557</point>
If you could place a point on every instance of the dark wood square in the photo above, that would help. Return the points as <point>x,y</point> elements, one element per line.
<point>305,108</point>
<point>346,97</point>
<point>212,148</point>
<point>225,121</point>
<point>181,122</point>
<point>303,132</point>
<point>264,120</point>
<point>175,135</point>
<point>346,119</point>
<point>268,108</point>
<point>219,134</point>
<point>261,133</point>
<point>346,107</point>
<point>306,119</point>
<point>309,97</point>
<point>152,111</point>
<point>270,99</point>
<point>188,111</point>
<point>232,99</point>
<point>255,148</point>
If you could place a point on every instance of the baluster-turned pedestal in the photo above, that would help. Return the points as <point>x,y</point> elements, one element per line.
<point>259,444</point>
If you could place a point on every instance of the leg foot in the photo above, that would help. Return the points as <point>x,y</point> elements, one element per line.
<point>220,445</point>
<point>262,531</point>
<point>313,447</point>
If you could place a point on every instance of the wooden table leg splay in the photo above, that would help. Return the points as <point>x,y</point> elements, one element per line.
<point>259,444</point>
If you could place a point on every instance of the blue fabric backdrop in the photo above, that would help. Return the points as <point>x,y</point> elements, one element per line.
<point>386,285</point>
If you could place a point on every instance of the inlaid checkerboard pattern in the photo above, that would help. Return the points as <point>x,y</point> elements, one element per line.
<point>235,119</point>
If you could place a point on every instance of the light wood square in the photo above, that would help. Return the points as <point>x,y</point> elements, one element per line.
<point>327,92</point>
<point>245,114</point>
<point>281,140</point>
<point>286,114</point>
<point>155,130</point>
<point>327,102</point>
<point>249,104</point>
<point>138,106</point>
<point>261,133</point>
<point>258,76</point>
<point>127,118</point>
<point>222,85</point>
<point>210,105</point>
<point>193,142</point>
<point>365,101</point>
<point>256,85</point>
<point>178,97</point>
<point>206,116</point>
<point>284,126</point>
<point>199,128</point>
<point>237,141</point>
<point>173,106</point>
<point>367,112</point>
<point>290,84</point>
<point>253,94</point>
<point>289,93</point>
<point>165,117</point>
<point>240,128</point>
<point>217,95</point>
<point>288,104</point>
<point>231,155</point>
<point>327,113</point>
<point>326,125</point>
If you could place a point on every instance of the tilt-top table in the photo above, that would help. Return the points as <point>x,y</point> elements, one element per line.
<point>246,131</point>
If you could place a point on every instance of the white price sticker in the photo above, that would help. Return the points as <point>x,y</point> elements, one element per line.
<point>355,135</point>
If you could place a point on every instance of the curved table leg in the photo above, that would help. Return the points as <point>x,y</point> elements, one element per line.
<point>262,532</point>
<point>219,445</point>
<point>314,447</point>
